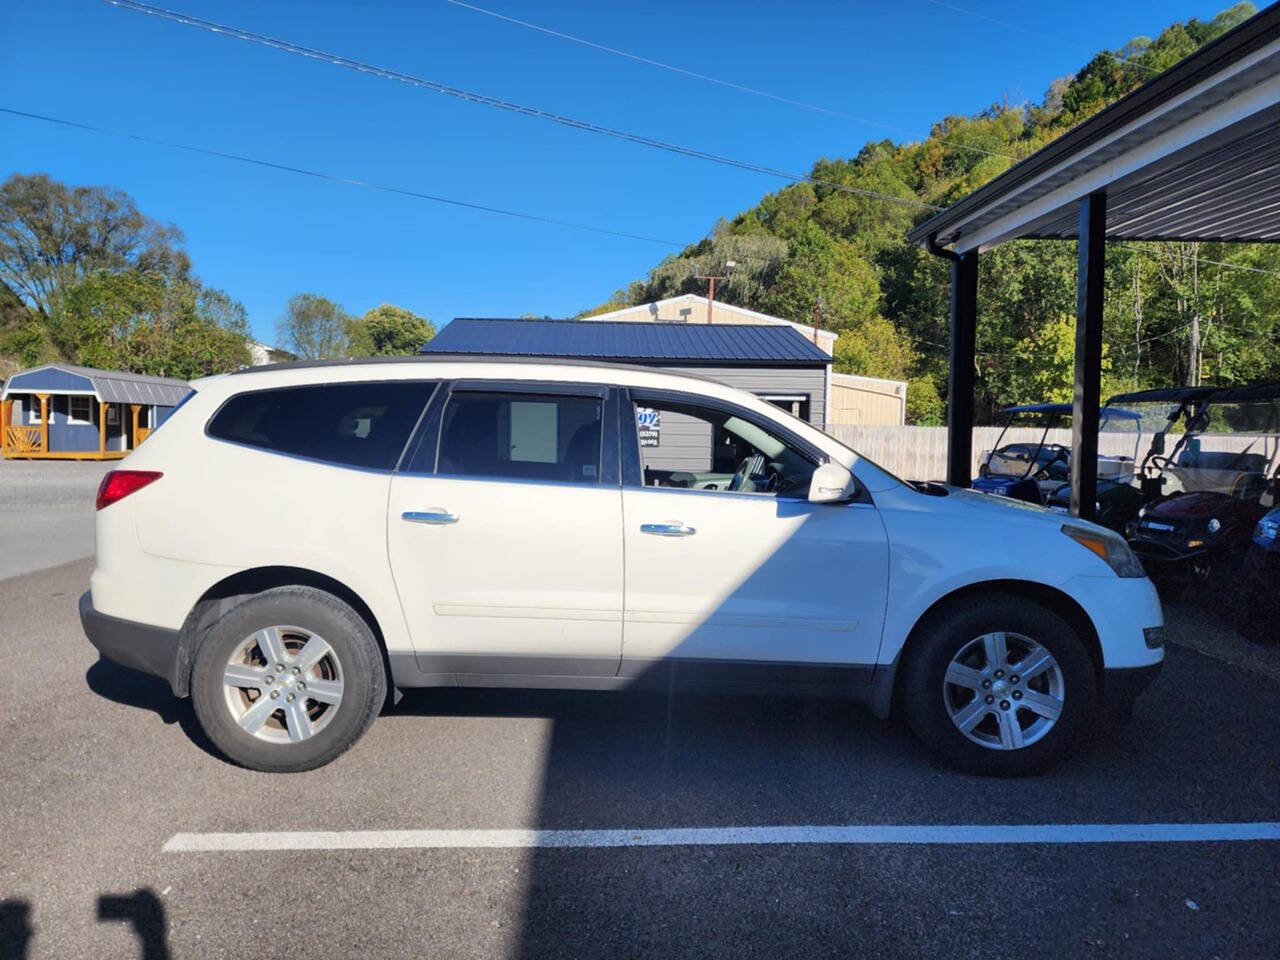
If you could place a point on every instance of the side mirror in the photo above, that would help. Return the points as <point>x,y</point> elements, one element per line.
<point>832,483</point>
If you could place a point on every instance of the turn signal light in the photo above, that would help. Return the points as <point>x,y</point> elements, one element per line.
<point>118,484</point>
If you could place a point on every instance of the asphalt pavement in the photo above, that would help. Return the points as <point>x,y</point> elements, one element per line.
<point>46,513</point>
<point>100,768</point>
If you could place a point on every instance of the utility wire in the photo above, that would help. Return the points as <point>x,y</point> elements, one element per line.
<point>488,101</point>
<point>742,88</point>
<point>1034,33</point>
<point>1154,255</point>
<point>332,178</point>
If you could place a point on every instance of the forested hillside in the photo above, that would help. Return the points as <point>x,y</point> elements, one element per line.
<point>812,247</point>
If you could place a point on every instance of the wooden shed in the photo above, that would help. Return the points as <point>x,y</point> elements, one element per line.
<point>858,401</point>
<point>61,411</point>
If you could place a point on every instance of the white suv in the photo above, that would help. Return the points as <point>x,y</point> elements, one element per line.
<point>297,541</point>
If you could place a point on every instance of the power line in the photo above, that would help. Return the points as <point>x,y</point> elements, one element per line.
<point>333,178</point>
<point>485,100</point>
<point>1034,33</point>
<point>1153,255</point>
<point>742,88</point>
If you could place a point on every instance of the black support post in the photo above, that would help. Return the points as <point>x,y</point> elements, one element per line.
<point>964,330</point>
<point>1088,386</point>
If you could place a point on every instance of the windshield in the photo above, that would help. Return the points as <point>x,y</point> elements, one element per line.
<point>1228,448</point>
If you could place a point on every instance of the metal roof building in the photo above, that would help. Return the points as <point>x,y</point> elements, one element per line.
<point>64,411</point>
<point>669,343</point>
<point>774,362</point>
<point>1193,154</point>
<point>695,309</point>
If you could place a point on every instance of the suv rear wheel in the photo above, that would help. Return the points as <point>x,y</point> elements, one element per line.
<point>998,685</point>
<point>287,680</point>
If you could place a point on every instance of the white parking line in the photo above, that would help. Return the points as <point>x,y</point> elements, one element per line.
<point>1051,833</point>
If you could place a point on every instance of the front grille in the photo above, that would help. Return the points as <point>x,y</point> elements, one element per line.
<point>1161,531</point>
<point>1152,550</point>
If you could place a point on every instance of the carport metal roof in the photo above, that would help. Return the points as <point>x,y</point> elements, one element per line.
<point>695,344</point>
<point>1194,154</point>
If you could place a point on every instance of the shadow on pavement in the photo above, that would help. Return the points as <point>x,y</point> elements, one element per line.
<point>650,760</point>
<point>15,929</point>
<point>143,911</point>
<point>133,689</point>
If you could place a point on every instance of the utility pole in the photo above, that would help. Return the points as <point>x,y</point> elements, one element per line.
<point>817,319</point>
<point>729,266</point>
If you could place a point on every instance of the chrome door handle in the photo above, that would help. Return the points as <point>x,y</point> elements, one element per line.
<point>668,529</point>
<point>438,517</point>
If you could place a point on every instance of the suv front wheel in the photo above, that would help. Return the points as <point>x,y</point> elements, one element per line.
<point>287,680</point>
<point>998,685</point>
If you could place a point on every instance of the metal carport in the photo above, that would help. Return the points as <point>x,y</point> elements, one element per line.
<point>1193,154</point>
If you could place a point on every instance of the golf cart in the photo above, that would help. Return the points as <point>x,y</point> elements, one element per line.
<point>1207,494</point>
<point>1041,473</point>
<point>1026,471</point>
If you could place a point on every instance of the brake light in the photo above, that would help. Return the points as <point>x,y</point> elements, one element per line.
<point>118,484</point>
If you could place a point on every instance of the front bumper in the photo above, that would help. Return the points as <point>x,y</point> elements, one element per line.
<point>138,646</point>
<point>1169,564</point>
<point>1123,610</point>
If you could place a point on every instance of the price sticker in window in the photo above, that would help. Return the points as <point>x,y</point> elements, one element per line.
<point>649,426</point>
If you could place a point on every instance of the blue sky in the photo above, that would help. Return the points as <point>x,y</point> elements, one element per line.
<point>263,235</point>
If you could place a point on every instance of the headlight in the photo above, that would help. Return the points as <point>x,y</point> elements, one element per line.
<point>1109,548</point>
<point>1215,525</point>
<point>1267,529</point>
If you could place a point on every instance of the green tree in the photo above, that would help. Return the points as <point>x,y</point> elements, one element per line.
<point>313,327</point>
<point>924,404</point>
<point>874,349</point>
<point>150,323</point>
<point>52,236</point>
<point>825,273</point>
<point>388,330</point>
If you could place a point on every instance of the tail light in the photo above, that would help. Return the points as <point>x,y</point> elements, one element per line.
<point>118,484</point>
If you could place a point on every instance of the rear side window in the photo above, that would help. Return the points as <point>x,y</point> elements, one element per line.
<point>521,437</point>
<point>353,424</point>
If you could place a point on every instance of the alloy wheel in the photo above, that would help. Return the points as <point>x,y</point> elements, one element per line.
<point>1003,691</point>
<point>283,684</point>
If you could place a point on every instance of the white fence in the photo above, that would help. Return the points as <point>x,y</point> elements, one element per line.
<point>920,453</point>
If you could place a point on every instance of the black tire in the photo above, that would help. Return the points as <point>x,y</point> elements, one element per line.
<point>364,681</point>
<point>945,633</point>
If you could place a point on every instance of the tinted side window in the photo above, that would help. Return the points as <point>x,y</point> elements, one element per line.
<point>521,437</point>
<point>353,424</point>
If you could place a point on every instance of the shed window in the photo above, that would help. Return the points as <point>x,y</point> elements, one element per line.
<point>33,410</point>
<point>795,404</point>
<point>80,410</point>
